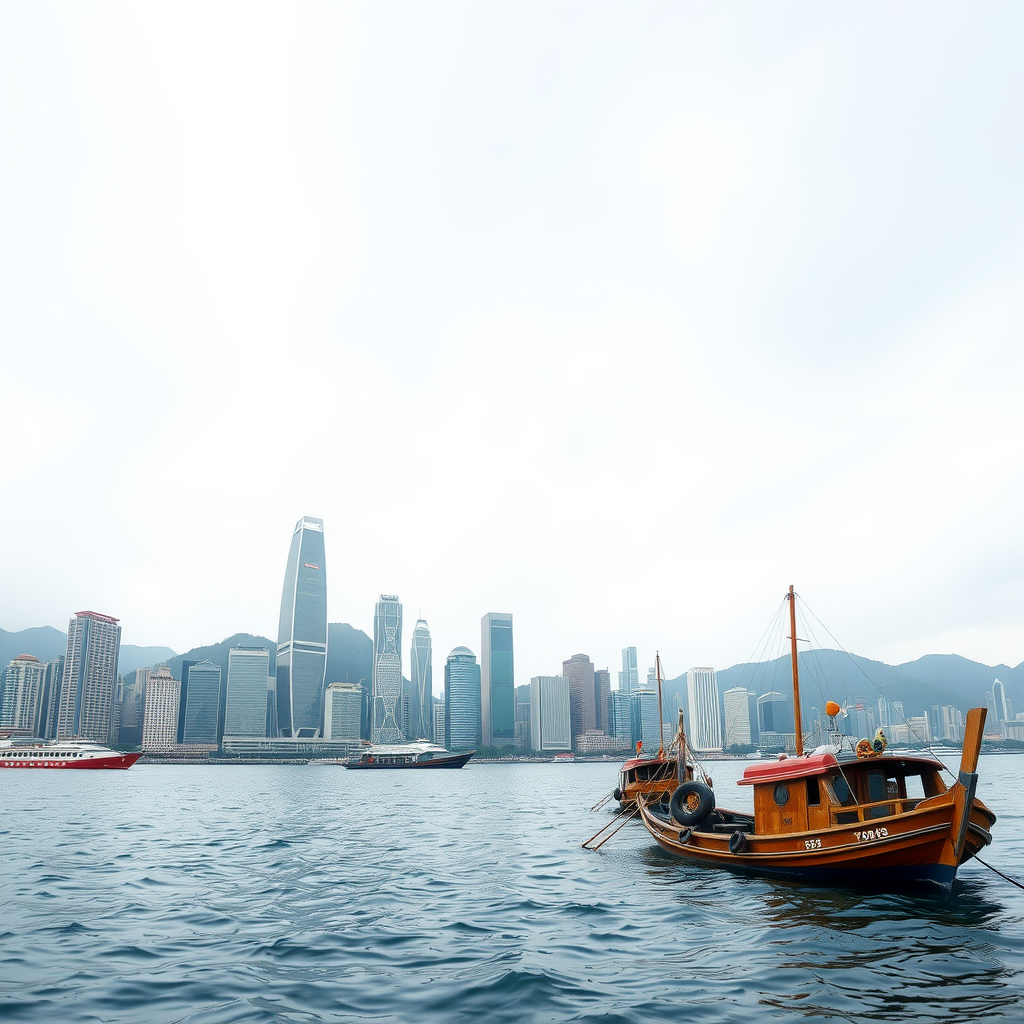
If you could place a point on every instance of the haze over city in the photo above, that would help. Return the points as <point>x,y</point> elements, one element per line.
<point>618,319</point>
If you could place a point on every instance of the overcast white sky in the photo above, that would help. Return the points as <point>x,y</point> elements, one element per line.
<point>620,317</point>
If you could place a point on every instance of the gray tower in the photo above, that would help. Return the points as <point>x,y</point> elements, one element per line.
<point>387,671</point>
<point>302,634</point>
<point>421,671</point>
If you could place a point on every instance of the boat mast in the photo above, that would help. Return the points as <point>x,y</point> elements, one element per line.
<point>798,724</point>
<point>661,728</point>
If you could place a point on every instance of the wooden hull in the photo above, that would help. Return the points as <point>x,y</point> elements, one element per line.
<point>917,846</point>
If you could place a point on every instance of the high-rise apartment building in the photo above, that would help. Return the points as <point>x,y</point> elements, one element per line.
<point>160,718</point>
<point>22,688</point>
<point>646,721</point>
<point>343,708</point>
<point>497,680</point>
<point>90,669</point>
<point>739,712</point>
<point>523,717</point>
<point>200,704</point>
<point>550,720</point>
<point>579,670</point>
<point>705,717</point>
<point>462,718</point>
<point>245,712</point>
<point>602,699</point>
<point>439,710</point>
<point>421,719</point>
<point>629,677</point>
<point>302,634</point>
<point>387,671</point>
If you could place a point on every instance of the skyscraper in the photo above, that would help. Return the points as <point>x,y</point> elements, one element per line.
<point>550,723</point>
<point>705,716</point>
<point>160,719</point>
<point>302,634</point>
<point>738,718</point>
<point>22,690</point>
<point>133,708</point>
<point>497,680</point>
<point>387,671</point>
<point>343,711</point>
<point>462,700</point>
<point>422,675</point>
<point>246,704</point>
<point>579,670</point>
<point>90,669</point>
<point>200,704</point>
<point>646,721</point>
<point>603,699</point>
<point>773,713</point>
<point>523,716</point>
<point>629,677</point>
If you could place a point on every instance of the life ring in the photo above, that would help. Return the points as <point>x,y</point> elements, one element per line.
<point>692,803</point>
<point>737,842</point>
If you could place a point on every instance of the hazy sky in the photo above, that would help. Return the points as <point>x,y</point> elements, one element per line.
<point>620,317</point>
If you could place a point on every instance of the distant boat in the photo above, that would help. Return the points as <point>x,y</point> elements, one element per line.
<point>62,754</point>
<point>830,817</point>
<point>411,755</point>
<point>564,758</point>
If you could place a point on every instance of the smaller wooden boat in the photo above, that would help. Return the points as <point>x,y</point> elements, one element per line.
<point>653,779</point>
<point>412,755</point>
<point>861,818</point>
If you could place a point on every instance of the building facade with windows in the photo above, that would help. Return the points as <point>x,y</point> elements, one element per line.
<point>550,720</point>
<point>497,680</point>
<point>302,634</point>
<point>90,672</point>
<point>462,716</point>
<point>387,672</point>
<point>705,733</point>
<point>160,718</point>
<point>421,672</point>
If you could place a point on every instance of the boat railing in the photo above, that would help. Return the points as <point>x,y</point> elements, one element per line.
<point>846,814</point>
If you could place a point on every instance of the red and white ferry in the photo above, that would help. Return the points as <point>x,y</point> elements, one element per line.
<point>62,754</point>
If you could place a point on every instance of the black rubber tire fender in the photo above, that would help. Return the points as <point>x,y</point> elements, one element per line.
<point>737,842</point>
<point>680,803</point>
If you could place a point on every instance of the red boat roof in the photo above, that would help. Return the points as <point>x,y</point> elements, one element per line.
<point>788,768</point>
<point>635,762</point>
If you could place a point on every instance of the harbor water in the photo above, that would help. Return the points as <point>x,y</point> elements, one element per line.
<point>214,894</point>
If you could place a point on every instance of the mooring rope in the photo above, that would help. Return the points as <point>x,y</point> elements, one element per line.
<point>1012,881</point>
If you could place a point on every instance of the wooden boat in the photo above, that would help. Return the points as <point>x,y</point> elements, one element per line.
<point>652,779</point>
<point>837,819</point>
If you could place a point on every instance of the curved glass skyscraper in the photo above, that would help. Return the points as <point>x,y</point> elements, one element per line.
<point>387,671</point>
<point>302,634</point>
<point>462,700</point>
<point>422,716</point>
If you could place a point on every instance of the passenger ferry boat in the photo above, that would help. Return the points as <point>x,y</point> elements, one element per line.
<point>411,755</point>
<point>62,754</point>
<point>860,817</point>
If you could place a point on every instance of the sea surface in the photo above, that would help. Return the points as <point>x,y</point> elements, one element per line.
<point>307,893</point>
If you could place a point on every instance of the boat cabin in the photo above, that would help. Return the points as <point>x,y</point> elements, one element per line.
<point>804,794</point>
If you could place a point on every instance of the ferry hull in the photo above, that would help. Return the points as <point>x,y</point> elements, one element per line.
<point>113,761</point>
<point>455,761</point>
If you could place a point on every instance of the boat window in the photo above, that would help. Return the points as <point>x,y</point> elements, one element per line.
<point>915,787</point>
<point>781,795</point>
<point>842,790</point>
<point>877,791</point>
<point>813,793</point>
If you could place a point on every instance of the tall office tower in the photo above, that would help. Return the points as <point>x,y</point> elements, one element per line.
<point>629,677</point>
<point>773,713</point>
<point>160,718</point>
<point>23,683</point>
<point>302,634</point>
<point>646,729</point>
<point>603,698</point>
<point>90,667</point>
<point>942,722</point>
<point>132,708</point>
<point>523,716</point>
<point>387,671</point>
<point>622,716</point>
<point>861,717</point>
<point>738,716</point>
<point>50,703</point>
<point>462,700</point>
<point>343,711</point>
<point>550,719</point>
<point>438,712</point>
<point>997,704</point>
<point>497,680</point>
<point>422,678</point>
<point>890,712</point>
<point>579,670</point>
<point>245,712</point>
<point>705,713</point>
<point>115,713</point>
<point>652,678</point>
<point>200,704</point>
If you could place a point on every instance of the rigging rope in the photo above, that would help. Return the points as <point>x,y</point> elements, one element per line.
<point>1012,881</point>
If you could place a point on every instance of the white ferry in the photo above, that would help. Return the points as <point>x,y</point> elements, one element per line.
<point>62,754</point>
